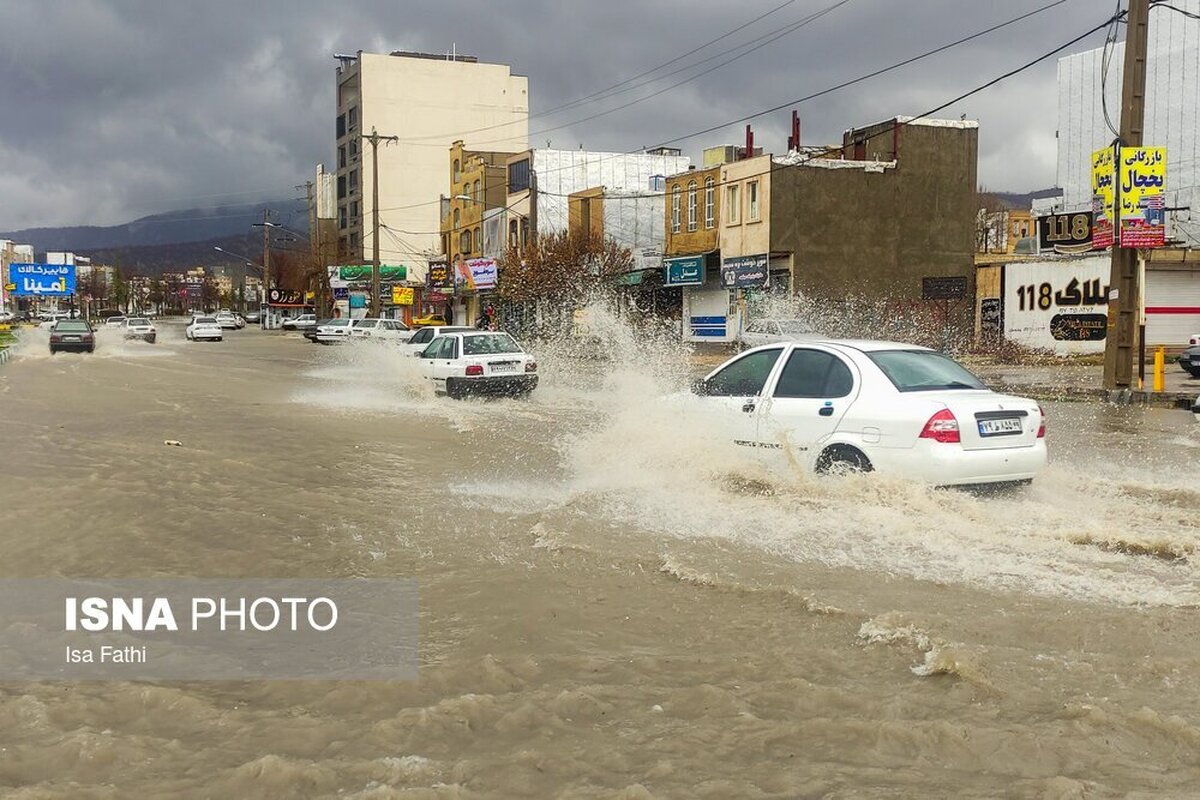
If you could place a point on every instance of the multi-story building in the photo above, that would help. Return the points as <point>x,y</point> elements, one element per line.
<point>895,208</point>
<point>540,183</point>
<point>428,101</point>
<point>11,253</point>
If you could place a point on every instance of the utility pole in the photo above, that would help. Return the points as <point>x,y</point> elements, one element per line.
<point>314,241</point>
<point>1119,346</point>
<point>266,225</point>
<point>375,139</point>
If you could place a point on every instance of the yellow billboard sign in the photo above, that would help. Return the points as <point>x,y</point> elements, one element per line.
<point>402,296</point>
<point>1104,171</point>
<point>1143,176</point>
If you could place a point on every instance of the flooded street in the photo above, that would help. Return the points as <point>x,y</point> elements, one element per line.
<point>611,604</point>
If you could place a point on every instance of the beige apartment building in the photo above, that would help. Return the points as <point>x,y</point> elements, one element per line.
<point>429,102</point>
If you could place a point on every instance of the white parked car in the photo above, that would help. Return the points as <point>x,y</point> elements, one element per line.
<point>299,323</point>
<point>478,363</point>
<point>419,340</point>
<point>897,409</point>
<point>203,328</point>
<point>379,329</point>
<point>769,331</point>
<point>140,328</point>
<point>114,322</point>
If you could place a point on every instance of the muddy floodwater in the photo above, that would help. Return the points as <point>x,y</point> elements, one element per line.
<point>611,605</point>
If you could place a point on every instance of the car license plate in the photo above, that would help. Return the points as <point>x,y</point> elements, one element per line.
<point>504,367</point>
<point>999,427</point>
<point>70,338</point>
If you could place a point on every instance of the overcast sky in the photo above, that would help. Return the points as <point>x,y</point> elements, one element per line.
<point>114,109</point>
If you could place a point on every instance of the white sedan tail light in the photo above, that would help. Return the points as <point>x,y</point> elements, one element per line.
<point>1042,424</point>
<point>941,427</point>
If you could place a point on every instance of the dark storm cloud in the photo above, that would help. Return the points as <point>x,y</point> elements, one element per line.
<point>111,110</point>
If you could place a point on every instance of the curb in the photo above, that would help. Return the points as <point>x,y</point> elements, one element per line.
<point>1086,394</point>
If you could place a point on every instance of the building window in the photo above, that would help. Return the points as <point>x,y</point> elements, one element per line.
<point>710,200</point>
<point>524,232</point>
<point>354,149</point>
<point>478,195</point>
<point>352,118</point>
<point>354,239</point>
<point>732,204</point>
<point>513,240</point>
<point>454,174</point>
<point>752,200</point>
<point>341,126</point>
<point>691,206</point>
<point>518,176</point>
<point>466,191</point>
<point>464,242</point>
<point>353,185</point>
<point>456,219</point>
<point>478,240</point>
<point>341,186</point>
<point>354,210</point>
<point>676,197</point>
<point>342,217</point>
<point>342,157</point>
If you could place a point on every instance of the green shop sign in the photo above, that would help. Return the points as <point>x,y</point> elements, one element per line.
<point>362,272</point>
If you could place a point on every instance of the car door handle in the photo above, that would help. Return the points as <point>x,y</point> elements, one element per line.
<point>748,406</point>
<point>826,411</point>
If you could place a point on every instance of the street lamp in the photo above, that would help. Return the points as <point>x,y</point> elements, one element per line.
<point>248,263</point>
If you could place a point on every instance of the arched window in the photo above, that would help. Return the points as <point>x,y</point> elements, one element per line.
<point>676,198</point>
<point>457,171</point>
<point>478,248</point>
<point>710,210</point>
<point>464,242</point>
<point>456,219</point>
<point>478,193</point>
<point>692,206</point>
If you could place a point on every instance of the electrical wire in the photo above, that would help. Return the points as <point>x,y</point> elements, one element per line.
<point>814,95</point>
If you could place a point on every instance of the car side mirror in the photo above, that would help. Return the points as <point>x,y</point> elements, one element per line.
<point>700,386</point>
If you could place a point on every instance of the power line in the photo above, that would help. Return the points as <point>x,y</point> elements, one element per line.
<point>821,93</point>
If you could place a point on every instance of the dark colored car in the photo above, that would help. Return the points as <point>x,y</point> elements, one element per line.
<point>72,334</point>
<point>1190,360</point>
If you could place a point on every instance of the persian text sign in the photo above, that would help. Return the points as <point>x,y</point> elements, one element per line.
<point>362,272</point>
<point>684,271</point>
<point>1143,172</point>
<point>402,296</point>
<point>477,273</point>
<point>163,629</point>
<point>1104,170</point>
<point>744,272</point>
<point>42,280</point>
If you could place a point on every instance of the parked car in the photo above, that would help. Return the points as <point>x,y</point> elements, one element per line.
<point>252,317</point>
<point>377,328</point>
<point>203,328</point>
<point>468,363</point>
<point>51,318</point>
<point>769,331</point>
<point>227,320</point>
<point>140,328</point>
<point>7,316</point>
<point>72,334</point>
<point>299,323</point>
<point>894,408</point>
<point>418,341</point>
<point>428,319</point>
<point>1189,360</point>
<point>334,331</point>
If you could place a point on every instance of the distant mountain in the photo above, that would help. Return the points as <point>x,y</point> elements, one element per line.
<point>171,228</point>
<point>1016,200</point>
<point>156,259</point>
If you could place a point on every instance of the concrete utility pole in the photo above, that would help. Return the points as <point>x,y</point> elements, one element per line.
<point>1119,346</point>
<point>375,139</point>
<point>314,242</point>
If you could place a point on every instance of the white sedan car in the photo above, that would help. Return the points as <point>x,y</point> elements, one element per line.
<point>140,328</point>
<point>417,343</point>
<point>333,331</point>
<point>875,406</point>
<point>299,323</point>
<point>203,328</point>
<point>379,329</point>
<point>769,331</point>
<point>478,363</point>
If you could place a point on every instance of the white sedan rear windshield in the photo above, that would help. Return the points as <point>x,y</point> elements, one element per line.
<point>205,321</point>
<point>923,371</point>
<point>489,344</point>
<point>137,321</point>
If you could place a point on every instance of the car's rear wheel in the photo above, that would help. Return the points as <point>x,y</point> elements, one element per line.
<point>1195,373</point>
<point>840,459</point>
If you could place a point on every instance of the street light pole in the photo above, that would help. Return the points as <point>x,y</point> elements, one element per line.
<point>266,225</point>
